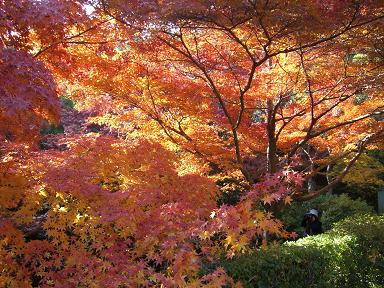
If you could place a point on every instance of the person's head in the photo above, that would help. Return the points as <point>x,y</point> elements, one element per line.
<point>312,215</point>
<point>314,212</point>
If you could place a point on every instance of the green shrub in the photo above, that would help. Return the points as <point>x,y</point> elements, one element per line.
<point>67,102</point>
<point>53,129</point>
<point>367,260</point>
<point>334,208</point>
<point>350,255</point>
<point>366,192</point>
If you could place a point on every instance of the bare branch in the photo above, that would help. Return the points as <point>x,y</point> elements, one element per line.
<point>44,49</point>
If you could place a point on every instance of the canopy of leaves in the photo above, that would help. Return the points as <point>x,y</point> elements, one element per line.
<point>269,93</point>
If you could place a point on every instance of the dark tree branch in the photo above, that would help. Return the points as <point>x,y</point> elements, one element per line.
<point>361,146</point>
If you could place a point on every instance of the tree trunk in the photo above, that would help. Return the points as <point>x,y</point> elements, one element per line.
<point>329,180</point>
<point>272,160</point>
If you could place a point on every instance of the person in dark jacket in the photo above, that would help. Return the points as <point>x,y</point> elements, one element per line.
<point>311,223</point>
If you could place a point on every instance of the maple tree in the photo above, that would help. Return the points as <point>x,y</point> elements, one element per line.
<point>212,77</point>
<point>270,92</point>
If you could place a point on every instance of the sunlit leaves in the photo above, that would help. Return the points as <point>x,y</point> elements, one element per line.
<point>151,213</point>
<point>188,93</point>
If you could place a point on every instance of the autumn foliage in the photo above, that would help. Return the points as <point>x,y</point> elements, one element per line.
<point>269,94</point>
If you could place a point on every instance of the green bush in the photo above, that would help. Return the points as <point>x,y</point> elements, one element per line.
<point>334,208</point>
<point>366,262</point>
<point>67,102</point>
<point>341,207</point>
<point>53,129</point>
<point>350,255</point>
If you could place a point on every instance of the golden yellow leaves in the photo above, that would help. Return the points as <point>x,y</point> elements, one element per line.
<point>12,189</point>
<point>236,243</point>
<point>268,199</point>
<point>366,171</point>
<point>288,200</point>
